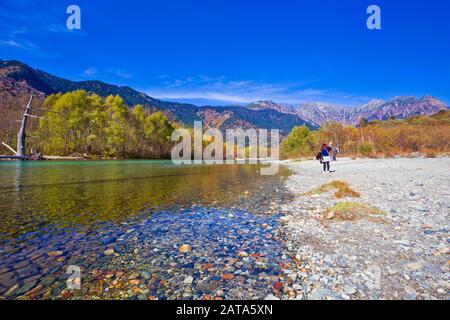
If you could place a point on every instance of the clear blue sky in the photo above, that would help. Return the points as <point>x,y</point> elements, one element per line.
<point>236,51</point>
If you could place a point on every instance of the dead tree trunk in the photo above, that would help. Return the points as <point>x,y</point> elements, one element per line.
<point>362,123</point>
<point>21,136</point>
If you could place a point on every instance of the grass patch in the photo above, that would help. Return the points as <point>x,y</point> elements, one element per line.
<point>352,211</point>
<point>342,189</point>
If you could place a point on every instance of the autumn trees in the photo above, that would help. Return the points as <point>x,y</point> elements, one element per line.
<point>82,123</point>
<point>78,122</point>
<point>301,141</point>
<point>426,134</point>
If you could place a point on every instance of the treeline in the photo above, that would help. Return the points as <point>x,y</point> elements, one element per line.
<point>82,123</point>
<point>429,135</point>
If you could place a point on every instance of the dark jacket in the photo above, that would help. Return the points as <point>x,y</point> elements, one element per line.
<point>325,153</point>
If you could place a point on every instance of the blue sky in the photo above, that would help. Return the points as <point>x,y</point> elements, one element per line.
<point>234,51</point>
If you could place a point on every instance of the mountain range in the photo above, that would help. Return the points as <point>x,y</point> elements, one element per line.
<point>320,113</point>
<point>18,80</point>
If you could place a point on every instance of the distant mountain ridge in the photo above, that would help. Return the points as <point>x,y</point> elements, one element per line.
<point>18,79</point>
<point>320,113</point>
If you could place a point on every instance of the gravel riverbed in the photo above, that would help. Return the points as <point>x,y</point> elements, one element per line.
<point>277,241</point>
<point>404,256</point>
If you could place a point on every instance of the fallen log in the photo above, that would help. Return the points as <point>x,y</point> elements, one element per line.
<point>10,148</point>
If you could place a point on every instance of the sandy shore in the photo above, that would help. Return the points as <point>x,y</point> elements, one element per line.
<point>405,255</point>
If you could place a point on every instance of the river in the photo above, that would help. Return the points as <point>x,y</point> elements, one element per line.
<point>124,224</point>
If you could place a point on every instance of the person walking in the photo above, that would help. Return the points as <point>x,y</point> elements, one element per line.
<point>325,158</point>
<point>334,151</point>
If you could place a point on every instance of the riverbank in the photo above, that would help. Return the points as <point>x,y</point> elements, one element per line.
<point>401,252</point>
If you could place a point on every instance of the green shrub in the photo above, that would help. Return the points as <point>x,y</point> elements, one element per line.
<point>366,148</point>
<point>299,142</point>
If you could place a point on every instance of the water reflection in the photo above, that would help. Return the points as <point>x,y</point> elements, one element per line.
<point>64,194</point>
<point>18,177</point>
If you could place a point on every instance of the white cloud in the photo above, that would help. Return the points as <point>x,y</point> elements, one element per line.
<point>10,43</point>
<point>119,72</point>
<point>26,45</point>
<point>111,71</point>
<point>219,91</point>
<point>91,71</point>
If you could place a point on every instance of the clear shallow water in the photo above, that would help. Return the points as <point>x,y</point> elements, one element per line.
<point>143,210</point>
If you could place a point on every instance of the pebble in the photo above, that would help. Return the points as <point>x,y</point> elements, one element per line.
<point>410,293</point>
<point>296,286</point>
<point>211,286</point>
<point>12,290</point>
<point>271,297</point>
<point>184,248</point>
<point>188,280</point>
<point>242,254</point>
<point>108,240</point>
<point>350,290</point>
<point>277,286</point>
<point>413,266</point>
<point>318,294</point>
<point>55,253</point>
<point>109,252</point>
<point>227,276</point>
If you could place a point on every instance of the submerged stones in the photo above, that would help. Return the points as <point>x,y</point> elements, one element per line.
<point>109,252</point>
<point>234,258</point>
<point>188,280</point>
<point>55,253</point>
<point>227,276</point>
<point>184,248</point>
<point>108,240</point>
<point>242,254</point>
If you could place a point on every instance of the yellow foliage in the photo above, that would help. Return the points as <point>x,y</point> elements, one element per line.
<point>352,211</point>
<point>429,135</point>
<point>342,189</point>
